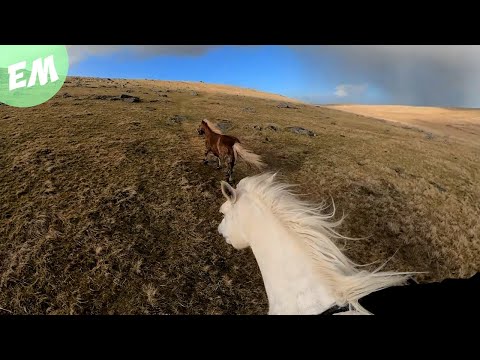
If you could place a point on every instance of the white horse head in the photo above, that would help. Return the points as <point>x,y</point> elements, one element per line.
<point>303,271</point>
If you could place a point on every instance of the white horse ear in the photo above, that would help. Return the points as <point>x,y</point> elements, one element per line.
<point>229,192</point>
<point>271,178</point>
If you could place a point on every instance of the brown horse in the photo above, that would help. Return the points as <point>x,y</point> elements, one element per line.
<point>226,148</point>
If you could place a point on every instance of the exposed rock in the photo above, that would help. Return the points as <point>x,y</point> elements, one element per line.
<point>273,127</point>
<point>124,97</point>
<point>286,106</point>
<point>301,131</point>
<point>176,119</point>
<point>129,98</point>
<point>224,125</point>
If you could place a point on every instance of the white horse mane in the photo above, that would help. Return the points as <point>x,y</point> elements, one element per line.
<point>213,127</point>
<point>315,230</point>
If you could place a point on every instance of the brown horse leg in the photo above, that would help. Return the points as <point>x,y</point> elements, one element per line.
<point>231,164</point>
<point>205,161</point>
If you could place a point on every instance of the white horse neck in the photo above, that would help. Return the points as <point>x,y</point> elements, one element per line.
<point>292,285</point>
<point>304,272</point>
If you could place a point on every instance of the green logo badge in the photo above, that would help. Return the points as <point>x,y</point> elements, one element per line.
<point>31,74</point>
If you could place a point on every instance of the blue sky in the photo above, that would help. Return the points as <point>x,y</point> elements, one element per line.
<point>274,69</point>
<point>410,75</point>
<point>270,68</point>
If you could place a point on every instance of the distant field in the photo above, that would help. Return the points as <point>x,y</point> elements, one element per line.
<point>106,207</point>
<point>458,123</point>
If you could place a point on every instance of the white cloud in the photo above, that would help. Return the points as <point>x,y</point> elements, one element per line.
<point>350,90</point>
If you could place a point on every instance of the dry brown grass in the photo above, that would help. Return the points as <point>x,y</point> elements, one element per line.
<point>458,123</point>
<point>106,207</point>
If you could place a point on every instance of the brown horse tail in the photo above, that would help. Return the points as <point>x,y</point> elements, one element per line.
<point>248,156</point>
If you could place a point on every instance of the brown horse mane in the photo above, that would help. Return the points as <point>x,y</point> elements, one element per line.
<point>212,126</point>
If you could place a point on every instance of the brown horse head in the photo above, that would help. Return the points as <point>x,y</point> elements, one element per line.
<point>201,128</point>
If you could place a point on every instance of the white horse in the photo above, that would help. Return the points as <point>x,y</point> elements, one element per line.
<point>303,271</point>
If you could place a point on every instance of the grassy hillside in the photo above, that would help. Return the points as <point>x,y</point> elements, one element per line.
<point>106,207</point>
